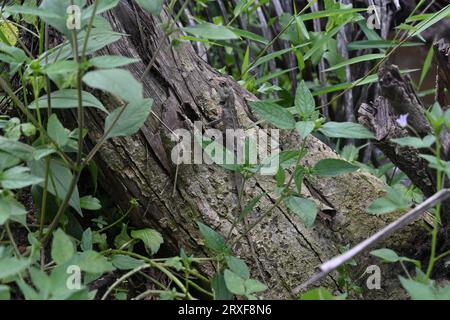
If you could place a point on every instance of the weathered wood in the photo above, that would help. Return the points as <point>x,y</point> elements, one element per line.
<point>185,90</point>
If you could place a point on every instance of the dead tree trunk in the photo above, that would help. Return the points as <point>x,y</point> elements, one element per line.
<point>185,89</point>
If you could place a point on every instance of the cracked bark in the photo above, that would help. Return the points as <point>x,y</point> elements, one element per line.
<point>185,89</point>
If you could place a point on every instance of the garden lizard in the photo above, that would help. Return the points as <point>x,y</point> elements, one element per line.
<point>230,120</point>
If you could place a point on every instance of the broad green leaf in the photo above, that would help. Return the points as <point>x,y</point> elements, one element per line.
<point>68,98</point>
<point>63,248</point>
<point>132,118</point>
<point>124,262</point>
<point>60,178</point>
<point>304,208</point>
<point>417,290</point>
<point>10,208</point>
<point>18,178</point>
<point>118,82</point>
<point>386,254</point>
<point>4,292</point>
<point>56,131</point>
<point>318,294</point>
<point>392,201</point>
<point>90,203</point>
<point>414,142</point>
<point>152,6</point>
<point>219,287</point>
<point>86,240</point>
<point>274,114</point>
<point>234,283</point>
<point>12,266</point>
<point>16,148</point>
<point>213,240</point>
<point>59,16</point>
<point>211,31</point>
<point>238,266</point>
<point>93,262</point>
<point>151,238</point>
<point>304,101</point>
<point>110,62</point>
<point>7,160</point>
<point>333,167</point>
<point>346,130</point>
<point>254,286</point>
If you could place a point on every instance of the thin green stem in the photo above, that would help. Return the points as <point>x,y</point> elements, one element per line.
<point>437,217</point>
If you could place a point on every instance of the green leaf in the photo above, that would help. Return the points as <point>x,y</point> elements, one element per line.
<point>132,118</point>
<point>393,201</point>
<point>358,59</point>
<point>213,240</point>
<point>86,240</point>
<point>61,178</point>
<point>219,287</point>
<point>386,254</point>
<point>238,266</point>
<point>417,290</point>
<point>16,148</point>
<point>234,283</point>
<point>118,82</point>
<point>378,44</point>
<point>56,131</point>
<point>90,203</point>
<point>426,65</point>
<point>93,262</point>
<point>211,31</point>
<point>304,101</point>
<point>305,128</point>
<point>68,98</point>
<point>345,130</point>
<point>274,114</point>
<point>254,286</point>
<point>152,6</point>
<point>18,178</point>
<point>249,35</point>
<point>414,142</point>
<point>124,262</point>
<point>110,62</point>
<point>7,160</point>
<point>12,266</point>
<point>62,247</point>
<point>433,19</point>
<point>333,167</point>
<point>317,294</point>
<point>304,208</point>
<point>4,292</point>
<point>151,238</point>
<point>10,208</point>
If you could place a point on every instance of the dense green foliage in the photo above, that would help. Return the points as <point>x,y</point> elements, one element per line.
<point>72,226</point>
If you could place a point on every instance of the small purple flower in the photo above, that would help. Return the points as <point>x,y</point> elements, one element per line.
<point>403,120</point>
